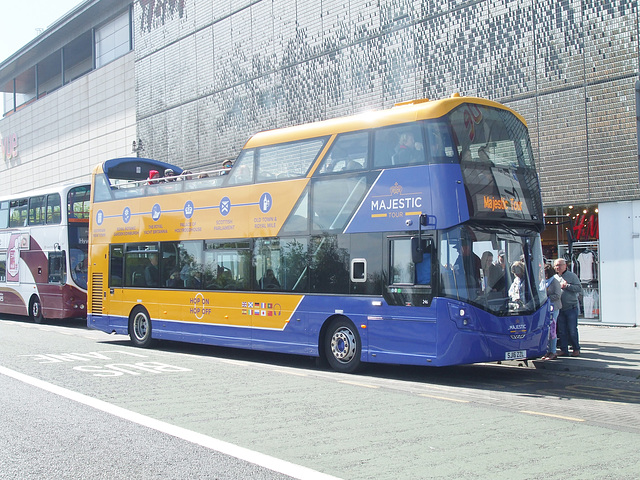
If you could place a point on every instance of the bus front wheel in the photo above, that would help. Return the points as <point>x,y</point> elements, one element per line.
<point>35,310</point>
<point>342,346</point>
<point>140,327</point>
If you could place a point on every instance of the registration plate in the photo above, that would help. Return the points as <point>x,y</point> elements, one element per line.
<point>515,355</point>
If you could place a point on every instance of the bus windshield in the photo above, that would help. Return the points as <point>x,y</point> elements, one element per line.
<point>501,271</point>
<point>497,163</point>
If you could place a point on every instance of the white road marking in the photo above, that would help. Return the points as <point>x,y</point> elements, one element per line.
<point>256,458</point>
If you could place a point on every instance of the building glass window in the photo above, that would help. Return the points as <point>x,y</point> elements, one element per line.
<point>77,57</point>
<point>25,87</point>
<point>112,39</point>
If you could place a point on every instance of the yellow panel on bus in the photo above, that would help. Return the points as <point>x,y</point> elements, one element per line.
<point>235,212</point>
<point>244,309</point>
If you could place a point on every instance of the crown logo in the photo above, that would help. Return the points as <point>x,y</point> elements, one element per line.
<point>396,189</point>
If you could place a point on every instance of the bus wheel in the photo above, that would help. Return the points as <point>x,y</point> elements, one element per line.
<point>342,346</point>
<point>35,310</point>
<point>140,327</point>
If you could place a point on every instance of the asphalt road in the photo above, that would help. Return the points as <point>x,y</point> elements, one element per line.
<point>78,403</point>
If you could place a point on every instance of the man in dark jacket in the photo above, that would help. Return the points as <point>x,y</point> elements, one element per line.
<point>568,317</point>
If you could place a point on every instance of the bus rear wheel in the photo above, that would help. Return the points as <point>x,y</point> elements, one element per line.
<point>35,310</point>
<point>342,346</point>
<point>140,327</point>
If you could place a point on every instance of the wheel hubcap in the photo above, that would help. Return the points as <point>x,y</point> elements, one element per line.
<point>343,345</point>
<point>140,327</point>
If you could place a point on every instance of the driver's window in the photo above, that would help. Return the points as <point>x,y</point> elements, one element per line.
<point>402,268</point>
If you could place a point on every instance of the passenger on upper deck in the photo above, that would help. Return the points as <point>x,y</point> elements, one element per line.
<point>169,175</point>
<point>406,152</point>
<point>226,167</point>
<point>154,177</point>
<point>185,175</point>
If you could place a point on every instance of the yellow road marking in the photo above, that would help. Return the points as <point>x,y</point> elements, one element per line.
<point>443,398</point>
<point>562,417</point>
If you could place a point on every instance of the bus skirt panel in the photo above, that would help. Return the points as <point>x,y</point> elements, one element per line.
<point>12,303</point>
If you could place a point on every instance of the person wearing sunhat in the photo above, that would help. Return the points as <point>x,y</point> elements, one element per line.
<point>169,175</point>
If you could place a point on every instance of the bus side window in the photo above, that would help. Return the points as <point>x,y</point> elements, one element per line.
<point>440,144</point>
<point>242,171</point>
<point>53,209</point>
<point>288,160</point>
<point>399,145</point>
<point>348,152</point>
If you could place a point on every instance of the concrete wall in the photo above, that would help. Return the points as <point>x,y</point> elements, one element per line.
<point>63,135</point>
<point>210,74</point>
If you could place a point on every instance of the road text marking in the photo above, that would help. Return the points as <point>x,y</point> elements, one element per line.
<point>256,458</point>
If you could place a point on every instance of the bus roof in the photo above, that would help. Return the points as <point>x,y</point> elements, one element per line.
<point>44,190</point>
<point>401,113</point>
<point>135,168</point>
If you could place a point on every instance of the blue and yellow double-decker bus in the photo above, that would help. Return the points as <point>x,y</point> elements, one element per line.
<point>409,236</point>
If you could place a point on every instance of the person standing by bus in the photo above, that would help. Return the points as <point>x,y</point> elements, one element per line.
<point>568,316</point>
<point>554,292</point>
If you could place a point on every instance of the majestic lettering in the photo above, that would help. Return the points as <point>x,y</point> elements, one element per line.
<point>500,203</point>
<point>396,203</point>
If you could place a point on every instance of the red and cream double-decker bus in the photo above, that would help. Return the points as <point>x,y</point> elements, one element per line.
<point>43,252</point>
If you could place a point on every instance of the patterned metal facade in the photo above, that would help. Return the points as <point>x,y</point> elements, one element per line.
<point>209,74</point>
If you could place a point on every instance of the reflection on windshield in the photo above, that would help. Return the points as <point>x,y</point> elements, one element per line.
<point>500,270</point>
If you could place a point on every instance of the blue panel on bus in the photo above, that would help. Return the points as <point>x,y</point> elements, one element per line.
<point>400,195</point>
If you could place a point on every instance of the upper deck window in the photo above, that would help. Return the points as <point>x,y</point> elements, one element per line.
<point>4,214</point>
<point>18,212</point>
<point>288,160</point>
<point>349,152</point>
<point>399,145</point>
<point>491,136</point>
<point>497,163</point>
<point>78,202</point>
<point>36,210</point>
<point>54,213</point>
<point>242,172</point>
